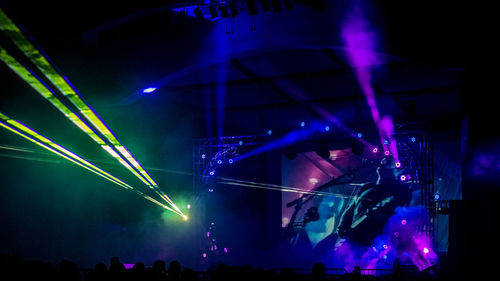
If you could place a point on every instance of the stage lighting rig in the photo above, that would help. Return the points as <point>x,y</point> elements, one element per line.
<point>288,5</point>
<point>234,9</point>
<point>223,11</point>
<point>198,14</point>
<point>276,5</point>
<point>213,11</point>
<point>266,5</point>
<point>252,7</point>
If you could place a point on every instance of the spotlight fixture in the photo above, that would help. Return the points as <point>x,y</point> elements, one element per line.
<point>288,4</point>
<point>213,11</point>
<point>223,11</point>
<point>437,196</point>
<point>266,6</point>
<point>276,5</point>
<point>234,9</point>
<point>198,14</point>
<point>252,7</point>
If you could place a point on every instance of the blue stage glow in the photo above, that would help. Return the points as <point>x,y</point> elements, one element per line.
<point>413,139</point>
<point>203,156</point>
<point>270,132</point>
<point>219,161</point>
<point>210,190</point>
<point>241,142</point>
<point>302,124</point>
<point>327,128</point>
<point>212,173</point>
<point>230,161</point>
<point>360,135</point>
<point>148,90</point>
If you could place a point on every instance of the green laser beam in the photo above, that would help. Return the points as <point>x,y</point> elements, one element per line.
<point>63,85</point>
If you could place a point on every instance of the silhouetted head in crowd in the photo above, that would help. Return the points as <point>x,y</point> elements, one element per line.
<point>116,271</point>
<point>159,266</point>
<point>287,274</point>
<point>68,270</point>
<point>115,260</point>
<point>318,271</point>
<point>174,270</point>
<point>188,275</point>
<point>139,266</point>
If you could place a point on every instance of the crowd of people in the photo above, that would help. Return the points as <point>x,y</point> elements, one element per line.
<point>14,268</point>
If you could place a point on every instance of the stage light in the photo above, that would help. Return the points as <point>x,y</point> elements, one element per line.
<point>230,161</point>
<point>387,152</point>
<point>413,139</point>
<point>234,9</point>
<point>426,251</point>
<point>213,11</point>
<point>402,178</point>
<point>386,142</point>
<point>437,196</point>
<point>240,142</point>
<point>219,161</point>
<point>276,5</point>
<point>327,128</point>
<point>204,255</point>
<point>313,180</point>
<point>360,135</point>
<point>188,206</point>
<point>210,190</point>
<point>288,4</point>
<point>225,250</point>
<point>208,233</point>
<point>266,6</point>
<point>403,222</point>
<point>185,218</point>
<point>375,150</point>
<point>203,156</point>
<point>212,173</point>
<point>385,246</point>
<point>148,90</point>
<point>198,14</point>
<point>223,11</point>
<point>302,124</point>
<point>252,7</point>
<point>397,164</point>
<point>270,132</point>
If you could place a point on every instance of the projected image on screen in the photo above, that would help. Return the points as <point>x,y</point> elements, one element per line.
<point>355,208</point>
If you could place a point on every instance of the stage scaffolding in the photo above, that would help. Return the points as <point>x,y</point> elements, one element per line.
<point>414,144</point>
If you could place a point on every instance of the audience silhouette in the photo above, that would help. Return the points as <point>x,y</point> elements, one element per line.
<point>13,266</point>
